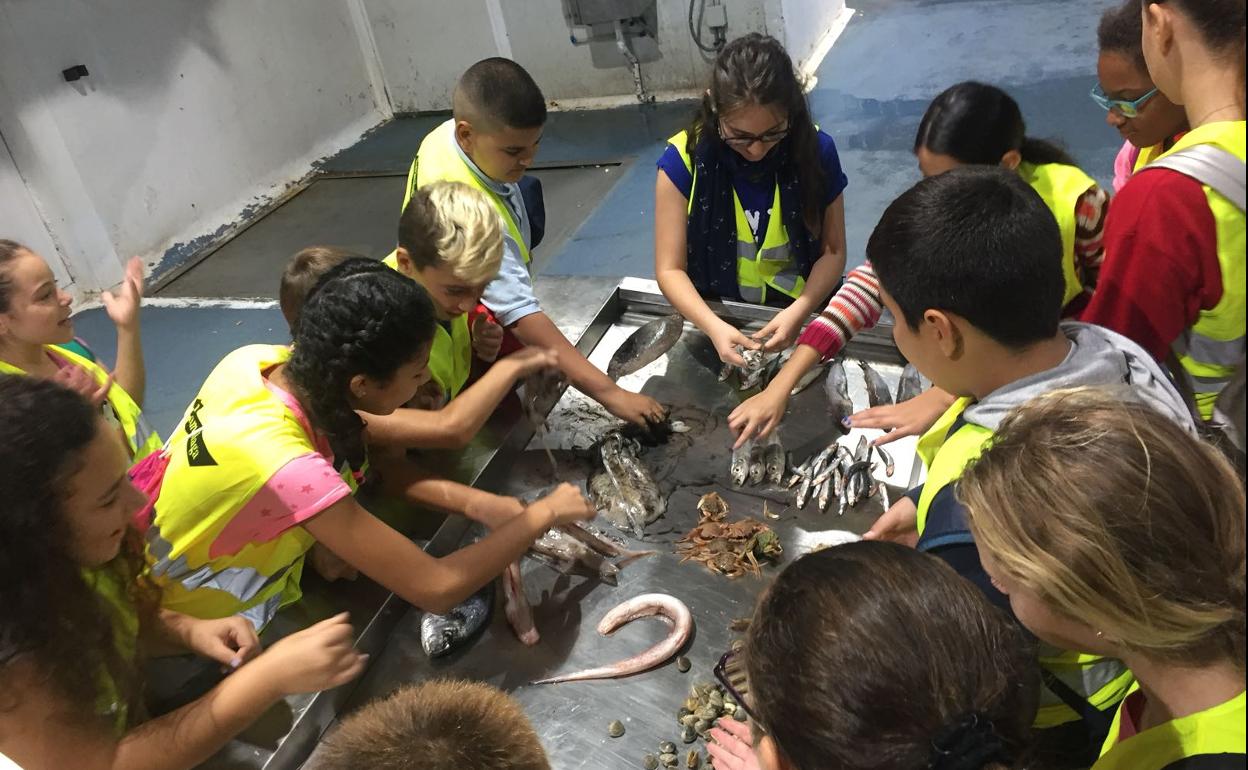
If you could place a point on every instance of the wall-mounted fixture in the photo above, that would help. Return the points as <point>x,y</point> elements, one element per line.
<point>76,72</point>
<point>590,21</point>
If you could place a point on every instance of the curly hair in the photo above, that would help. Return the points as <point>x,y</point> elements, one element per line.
<point>452,224</point>
<point>49,614</point>
<point>950,654</point>
<point>361,318</point>
<point>756,70</point>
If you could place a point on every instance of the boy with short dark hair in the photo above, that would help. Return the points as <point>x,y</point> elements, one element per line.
<point>969,264</point>
<point>439,725</point>
<point>489,143</point>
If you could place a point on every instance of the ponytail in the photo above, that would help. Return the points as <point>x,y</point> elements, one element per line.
<point>977,124</point>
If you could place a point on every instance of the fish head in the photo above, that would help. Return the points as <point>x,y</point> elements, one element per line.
<point>740,469</point>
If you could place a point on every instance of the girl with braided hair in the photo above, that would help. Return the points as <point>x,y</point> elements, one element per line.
<point>76,616</point>
<point>268,456</point>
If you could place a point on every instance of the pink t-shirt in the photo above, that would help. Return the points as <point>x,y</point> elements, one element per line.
<point>1124,164</point>
<point>299,490</point>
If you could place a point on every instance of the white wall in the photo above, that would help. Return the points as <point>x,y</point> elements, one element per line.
<point>806,23</point>
<point>193,112</point>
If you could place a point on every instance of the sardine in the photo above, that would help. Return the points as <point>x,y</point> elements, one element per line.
<point>878,393</point>
<point>889,465</point>
<point>824,489</point>
<point>803,492</point>
<point>863,450</point>
<point>441,634</point>
<point>836,387</point>
<point>774,455</point>
<point>739,472</point>
<point>910,385</point>
<point>758,465</point>
<point>516,607</point>
<point>667,607</point>
<point>647,344</point>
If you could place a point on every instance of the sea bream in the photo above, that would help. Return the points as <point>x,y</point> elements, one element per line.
<point>647,344</point>
<point>442,634</point>
<point>878,393</point>
<point>836,387</point>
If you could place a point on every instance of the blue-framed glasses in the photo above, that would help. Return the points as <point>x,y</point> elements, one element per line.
<point>1125,108</point>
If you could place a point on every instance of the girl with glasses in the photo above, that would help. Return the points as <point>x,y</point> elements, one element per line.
<point>748,202</point>
<point>1149,123</point>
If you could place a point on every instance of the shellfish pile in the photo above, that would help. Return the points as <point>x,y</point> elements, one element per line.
<point>728,548</point>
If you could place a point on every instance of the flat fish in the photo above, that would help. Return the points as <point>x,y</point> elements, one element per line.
<point>910,384</point>
<point>878,393</point>
<point>442,634</point>
<point>671,609</point>
<point>651,340</point>
<point>836,387</point>
<point>517,608</point>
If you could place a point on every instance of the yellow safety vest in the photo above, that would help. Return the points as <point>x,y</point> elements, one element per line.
<point>142,440</point>
<point>1061,186</point>
<point>1100,681</point>
<point>1148,155</point>
<point>234,436</point>
<point>1212,348</point>
<point>450,356</point>
<point>1218,730</point>
<point>761,267</point>
<point>438,160</point>
<point>125,620</point>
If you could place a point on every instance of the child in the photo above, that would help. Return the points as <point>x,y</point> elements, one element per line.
<point>36,330</point>
<point>490,141</point>
<point>439,725</point>
<point>1149,123</point>
<point>1174,244</point>
<point>301,274</point>
<point>748,202</point>
<point>75,617</point>
<point>940,678</point>
<point>969,267</point>
<point>968,124</point>
<point>1139,555</point>
<point>264,463</point>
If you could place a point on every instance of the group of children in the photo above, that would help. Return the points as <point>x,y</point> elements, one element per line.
<point>1065,589</point>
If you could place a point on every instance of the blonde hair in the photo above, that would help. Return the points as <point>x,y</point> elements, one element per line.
<point>301,274</point>
<point>1118,518</point>
<point>453,224</point>
<point>437,725</point>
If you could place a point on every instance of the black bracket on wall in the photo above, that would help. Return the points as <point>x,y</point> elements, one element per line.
<point>76,72</point>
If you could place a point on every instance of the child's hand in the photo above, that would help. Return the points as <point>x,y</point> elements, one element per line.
<point>123,308</point>
<point>530,360</point>
<point>428,397</point>
<point>634,407</point>
<point>317,658</point>
<point>758,415</point>
<point>909,418</point>
<point>726,338</point>
<point>487,338</point>
<point>899,524</point>
<point>781,330</point>
<point>732,746</point>
<point>329,566</point>
<point>84,384</point>
<point>230,641</point>
<point>567,505</point>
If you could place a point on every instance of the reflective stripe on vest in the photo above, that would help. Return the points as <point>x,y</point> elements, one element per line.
<point>140,437</point>
<point>1211,349</point>
<point>437,160</point>
<point>1061,186</point>
<point>1100,681</point>
<point>760,267</point>
<point>1217,730</point>
<point>235,435</point>
<point>450,355</point>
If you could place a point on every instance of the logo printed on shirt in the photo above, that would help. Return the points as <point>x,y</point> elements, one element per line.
<point>197,453</point>
<point>753,217</point>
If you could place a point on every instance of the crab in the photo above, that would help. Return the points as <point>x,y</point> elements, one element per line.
<point>729,548</point>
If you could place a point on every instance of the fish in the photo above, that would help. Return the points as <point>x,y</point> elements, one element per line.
<point>516,607</point>
<point>863,450</point>
<point>569,555</point>
<point>441,634</point>
<point>910,384</point>
<point>836,387</point>
<point>889,466</point>
<point>541,390</point>
<point>652,340</point>
<point>824,489</point>
<point>604,545</point>
<point>739,471</point>
<point>806,379</point>
<point>758,465</point>
<point>802,492</point>
<point>773,456</point>
<point>671,609</point>
<point>622,488</point>
<point>878,393</point>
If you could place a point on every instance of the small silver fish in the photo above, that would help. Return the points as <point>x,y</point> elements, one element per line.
<point>836,387</point>
<point>910,384</point>
<point>775,460</point>
<point>878,393</point>
<point>889,465</point>
<point>803,492</point>
<point>739,471</point>
<point>806,379</point>
<point>441,634</point>
<point>863,450</point>
<point>824,489</point>
<point>758,465</point>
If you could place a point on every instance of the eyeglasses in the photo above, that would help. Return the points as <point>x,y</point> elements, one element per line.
<point>721,675</point>
<point>1125,108</point>
<point>741,141</point>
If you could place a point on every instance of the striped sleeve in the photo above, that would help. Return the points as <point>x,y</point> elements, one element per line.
<point>855,306</point>
<point>1090,212</point>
